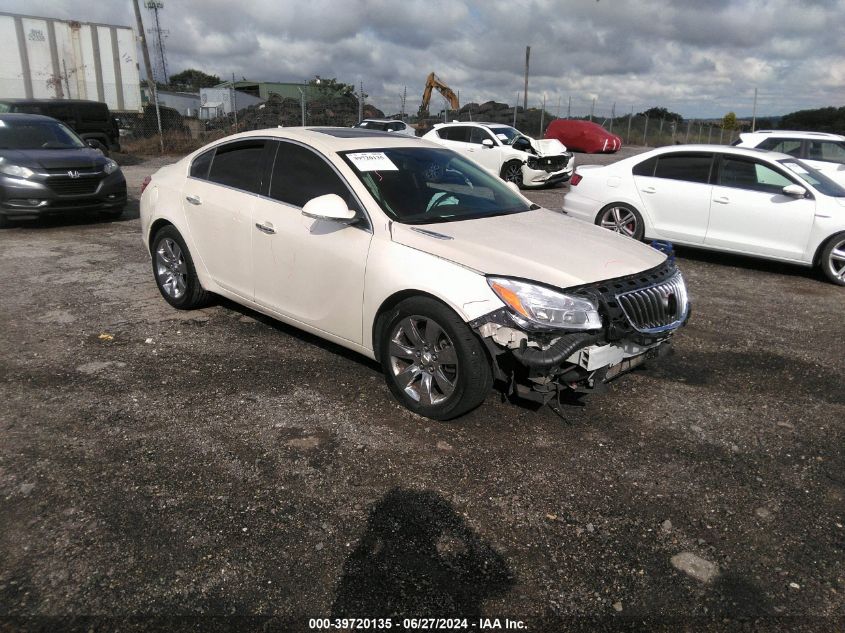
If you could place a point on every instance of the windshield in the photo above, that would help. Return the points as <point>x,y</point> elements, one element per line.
<point>421,185</point>
<point>818,180</point>
<point>37,134</point>
<point>506,133</point>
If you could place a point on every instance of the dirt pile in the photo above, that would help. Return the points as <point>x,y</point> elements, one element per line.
<point>341,111</point>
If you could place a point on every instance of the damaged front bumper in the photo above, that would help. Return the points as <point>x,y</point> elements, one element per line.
<point>640,313</point>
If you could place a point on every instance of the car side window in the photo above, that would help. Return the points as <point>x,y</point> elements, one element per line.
<point>199,168</point>
<point>479,135</point>
<point>299,175</point>
<point>645,168</point>
<point>791,146</point>
<point>749,174</point>
<point>238,165</point>
<point>688,167</point>
<point>458,133</point>
<point>829,151</point>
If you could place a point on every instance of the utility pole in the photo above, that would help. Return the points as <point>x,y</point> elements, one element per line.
<point>542,114</point>
<point>151,87</point>
<point>525,92</point>
<point>361,104</point>
<point>754,112</point>
<point>515,108</point>
<point>569,108</point>
<point>234,102</point>
<point>592,108</point>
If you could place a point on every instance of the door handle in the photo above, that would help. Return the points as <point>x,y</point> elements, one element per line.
<point>193,199</point>
<point>649,190</point>
<point>722,200</point>
<point>265,228</point>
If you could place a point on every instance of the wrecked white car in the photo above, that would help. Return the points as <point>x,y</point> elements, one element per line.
<point>410,254</point>
<point>507,152</point>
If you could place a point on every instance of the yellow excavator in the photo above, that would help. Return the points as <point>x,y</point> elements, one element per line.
<point>433,82</point>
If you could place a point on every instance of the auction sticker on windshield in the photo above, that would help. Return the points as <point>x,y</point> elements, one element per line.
<point>372,161</point>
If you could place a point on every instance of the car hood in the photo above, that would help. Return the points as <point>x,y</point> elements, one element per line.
<point>54,158</point>
<point>548,146</point>
<point>538,245</point>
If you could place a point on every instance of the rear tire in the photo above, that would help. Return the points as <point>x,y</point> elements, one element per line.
<point>433,363</point>
<point>832,259</point>
<point>623,219</point>
<point>174,272</point>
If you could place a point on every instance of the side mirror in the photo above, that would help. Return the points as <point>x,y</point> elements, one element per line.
<point>488,143</point>
<point>796,191</point>
<point>329,207</point>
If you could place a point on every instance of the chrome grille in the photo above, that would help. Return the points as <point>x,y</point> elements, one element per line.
<point>656,308</point>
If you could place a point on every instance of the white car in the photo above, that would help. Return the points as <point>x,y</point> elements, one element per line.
<point>730,199</point>
<point>825,152</point>
<point>507,152</point>
<point>410,254</point>
<point>387,125</point>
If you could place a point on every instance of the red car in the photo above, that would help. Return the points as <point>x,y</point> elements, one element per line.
<point>583,136</point>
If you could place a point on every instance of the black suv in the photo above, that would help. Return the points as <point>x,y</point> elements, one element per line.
<point>46,168</point>
<point>92,120</point>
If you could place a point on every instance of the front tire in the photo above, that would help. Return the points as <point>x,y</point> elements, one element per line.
<point>174,271</point>
<point>623,219</point>
<point>433,363</point>
<point>512,172</point>
<point>833,259</point>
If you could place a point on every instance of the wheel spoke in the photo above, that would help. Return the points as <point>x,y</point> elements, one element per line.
<point>628,219</point>
<point>627,231</point>
<point>432,333</point>
<point>443,383</point>
<point>397,350</point>
<point>425,389</point>
<point>837,255</point>
<point>407,376</point>
<point>410,329</point>
<point>616,216</point>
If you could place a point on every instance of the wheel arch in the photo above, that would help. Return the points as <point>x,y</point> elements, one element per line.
<point>817,257</point>
<point>156,226</point>
<point>395,299</point>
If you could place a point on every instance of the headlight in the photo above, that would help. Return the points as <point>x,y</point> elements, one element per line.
<point>16,170</point>
<point>110,167</point>
<point>536,305</point>
<point>532,162</point>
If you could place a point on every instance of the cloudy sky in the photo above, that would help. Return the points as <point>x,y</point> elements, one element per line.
<point>701,58</point>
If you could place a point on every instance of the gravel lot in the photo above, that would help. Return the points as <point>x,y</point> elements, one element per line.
<point>216,470</point>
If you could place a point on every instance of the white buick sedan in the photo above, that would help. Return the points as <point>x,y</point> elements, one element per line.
<point>746,201</point>
<point>410,254</point>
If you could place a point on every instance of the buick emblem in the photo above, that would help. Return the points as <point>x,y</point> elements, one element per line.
<point>73,173</point>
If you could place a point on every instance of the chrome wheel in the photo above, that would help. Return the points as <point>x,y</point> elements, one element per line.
<point>836,261</point>
<point>423,360</point>
<point>513,173</point>
<point>171,271</point>
<point>621,220</point>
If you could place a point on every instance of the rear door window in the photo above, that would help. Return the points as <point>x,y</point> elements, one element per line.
<point>199,168</point>
<point>828,151</point>
<point>238,165</point>
<point>791,146</point>
<point>690,167</point>
<point>458,133</point>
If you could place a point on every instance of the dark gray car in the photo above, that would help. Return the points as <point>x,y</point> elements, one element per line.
<point>45,168</point>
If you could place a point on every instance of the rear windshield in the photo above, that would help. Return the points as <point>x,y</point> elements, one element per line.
<point>422,185</point>
<point>35,134</point>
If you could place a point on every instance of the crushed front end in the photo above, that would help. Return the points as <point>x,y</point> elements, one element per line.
<point>547,340</point>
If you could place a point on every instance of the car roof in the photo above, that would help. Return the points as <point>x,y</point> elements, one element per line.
<point>335,139</point>
<point>383,120</point>
<point>751,152</point>
<point>23,116</point>
<point>795,133</point>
